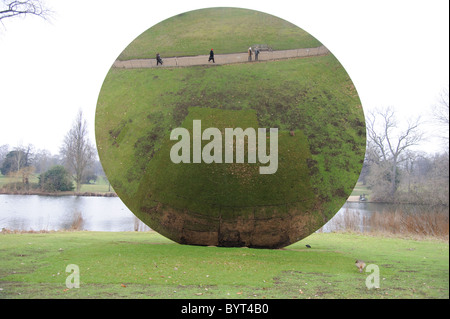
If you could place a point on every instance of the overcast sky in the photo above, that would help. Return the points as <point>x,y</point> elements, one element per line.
<point>396,53</point>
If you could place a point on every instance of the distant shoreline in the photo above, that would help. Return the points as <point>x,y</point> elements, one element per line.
<point>356,199</point>
<point>42,193</point>
<point>96,194</point>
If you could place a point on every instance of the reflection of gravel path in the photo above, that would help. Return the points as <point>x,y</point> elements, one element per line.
<point>221,58</point>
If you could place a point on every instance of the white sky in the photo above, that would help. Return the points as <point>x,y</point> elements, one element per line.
<point>396,52</point>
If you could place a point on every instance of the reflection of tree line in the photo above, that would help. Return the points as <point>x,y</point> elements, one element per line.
<point>428,221</point>
<point>76,162</point>
<point>396,173</point>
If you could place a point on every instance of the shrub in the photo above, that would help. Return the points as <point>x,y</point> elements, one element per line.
<point>56,179</point>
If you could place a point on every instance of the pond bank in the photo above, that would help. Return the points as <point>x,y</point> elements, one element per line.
<point>42,193</point>
<point>355,198</point>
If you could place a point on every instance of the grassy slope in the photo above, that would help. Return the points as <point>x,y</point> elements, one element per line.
<point>137,109</point>
<point>226,30</point>
<point>233,184</point>
<point>150,266</point>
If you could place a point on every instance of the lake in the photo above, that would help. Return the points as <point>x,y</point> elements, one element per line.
<point>36,212</point>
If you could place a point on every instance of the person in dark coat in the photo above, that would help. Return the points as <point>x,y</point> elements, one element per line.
<point>211,56</point>
<point>256,54</point>
<point>158,59</point>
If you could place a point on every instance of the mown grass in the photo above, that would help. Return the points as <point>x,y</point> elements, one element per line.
<point>101,185</point>
<point>4,180</point>
<point>147,265</point>
<point>226,30</point>
<point>361,189</point>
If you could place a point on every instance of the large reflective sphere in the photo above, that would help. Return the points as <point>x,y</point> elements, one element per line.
<point>246,131</point>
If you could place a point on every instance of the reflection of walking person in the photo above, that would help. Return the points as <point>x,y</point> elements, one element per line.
<point>250,53</point>
<point>211,56</point>
<point>158,59</point>
<point>256,54</point>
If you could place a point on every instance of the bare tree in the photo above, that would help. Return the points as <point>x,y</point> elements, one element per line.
<point>4,149</point>
<point>77,151</point>
<point>23,156</point>
<point>439,179</point>
<point>390,141</point>
<point>441,114</point>
<point>43,160</point>
<point>15,8</point>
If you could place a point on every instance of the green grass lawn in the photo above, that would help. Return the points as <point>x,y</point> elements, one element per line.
<point>101,185</point>
<point>3,180</point>
<point>360,189</point>
<point>6,180</point>
<point>147,265</point>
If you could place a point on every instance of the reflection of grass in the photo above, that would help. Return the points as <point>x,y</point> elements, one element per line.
<point>233,184</point>
<point>137,109</point>
<point>146,265</point>
<point>226,30</point>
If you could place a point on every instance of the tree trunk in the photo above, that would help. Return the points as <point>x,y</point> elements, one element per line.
<point>393,182</point>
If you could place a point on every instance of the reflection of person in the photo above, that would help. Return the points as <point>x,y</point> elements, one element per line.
<point>158,59</point>
<point>256,54</point>
<point>250,53</point>
<point>211,56</point>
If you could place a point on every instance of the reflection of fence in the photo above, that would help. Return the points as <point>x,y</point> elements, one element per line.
<point>296,53</point>
<point>261,47</point>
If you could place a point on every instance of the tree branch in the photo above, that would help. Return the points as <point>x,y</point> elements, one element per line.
<point>10,8</point>
<point>382,135</point>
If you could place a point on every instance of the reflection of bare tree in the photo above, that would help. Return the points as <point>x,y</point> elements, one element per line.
<point>139,225</point>
<point>77,221</point>
<point>392,219</point>
<point>14,8</point>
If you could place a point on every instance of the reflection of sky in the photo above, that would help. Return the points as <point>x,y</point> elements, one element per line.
<point>34,212</point>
